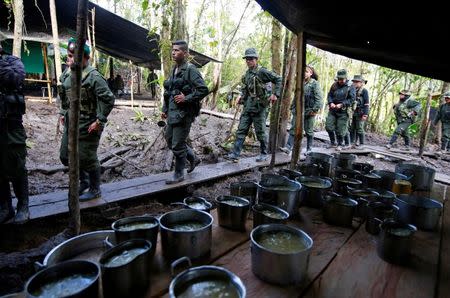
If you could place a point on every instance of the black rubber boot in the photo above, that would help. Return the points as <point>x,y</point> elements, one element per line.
<point>347,140</point>
<point>263,156</point>
<point>234,155</point>
<point>6,209</point>
<point>444,145</point>
<point>340,140</point>
<point>309,142</point>
<point>362,138</point>
<point>193,160</point>
<point>84,182</point>
<point>94,186</point>
<point>392,141</point>
<point>178,175</point>
<point>290,142</point>
<point>407,141</point>
<point>20,186</point>
<point>332,136</point>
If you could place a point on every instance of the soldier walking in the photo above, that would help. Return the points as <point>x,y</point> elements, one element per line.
<point>255,98</point>
<point>96,103</point>
<point>183,92</point>
<point>13,150</point>
<point>443,115</point>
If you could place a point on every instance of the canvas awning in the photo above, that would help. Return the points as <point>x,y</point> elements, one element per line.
<point>408,36</point>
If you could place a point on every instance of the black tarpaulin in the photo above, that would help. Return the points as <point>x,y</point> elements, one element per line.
<point>408,36</point>
<point>114,35</point>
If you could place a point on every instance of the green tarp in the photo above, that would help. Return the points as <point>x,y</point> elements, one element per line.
<point>32,56</point>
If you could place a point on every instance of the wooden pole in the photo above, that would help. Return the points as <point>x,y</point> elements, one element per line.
<point>18,27</point>
<point>132,85</point>
<point>299,90</point>
<point>94,48</point>
<point>74,115</point>
<point>55,34</point>
<point>47,73</point>
<point>426,122</point>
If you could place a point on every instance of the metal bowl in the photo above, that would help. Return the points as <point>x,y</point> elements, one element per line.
<point>422,212</point>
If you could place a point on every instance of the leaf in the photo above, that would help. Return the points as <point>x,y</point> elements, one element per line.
<point>144,5</point>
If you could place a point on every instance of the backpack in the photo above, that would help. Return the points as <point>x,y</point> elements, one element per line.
<point>196,106</point>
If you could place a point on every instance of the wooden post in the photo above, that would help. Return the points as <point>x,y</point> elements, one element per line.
<point>138,69</point>
<point>47,73</point>
<point>111,67</point>
<point>425,123</point>
<point>94,48</point>
<point>132,84</point>
<point>18,27</point>
<point>55,34</point>
<point>74,115</point>
<point>299,90</point>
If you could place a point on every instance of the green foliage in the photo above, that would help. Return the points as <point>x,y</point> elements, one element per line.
<point>139,116</point>
<point>414,130</point>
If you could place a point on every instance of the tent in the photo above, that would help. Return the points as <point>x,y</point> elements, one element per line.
<point>408,36</point>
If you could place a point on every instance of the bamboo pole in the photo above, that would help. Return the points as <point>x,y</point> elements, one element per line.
<point>94,48</point>
<point>299,90</point>
<point>54,22</point>
<point>132,85</point>
<point>74,115</point>
<point>426,122</point>
<point>47,73</point>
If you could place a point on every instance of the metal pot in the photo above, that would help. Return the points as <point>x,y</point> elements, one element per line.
<point>362,167</point>
<point>195,243</point>
<point>290,174</point>
<point>370,180</point>
<point>195,202</point>
<point>343,185</point>
<point>322,161</point>
<point>388,178</point>
<point>363,197</point>
<point>259,218</point>
<point>338,210</point>
<point>279,268</point>
<point>424,213</point>
<point>377,212</point>
<point>131,279</point>
<point>280,191</point>
<point>421,178</point>
<point>62,270</point>
<point>309,169</point>
<point>245,189</point>
<point>394,241</point>
<point>346,173</point>
<point>313,191</point>
<point>344,160</point>
<point>150,233</point>
<point>384,196</point>
<point>232,217</point>
<point>89,246</point>
<point>191,276</point>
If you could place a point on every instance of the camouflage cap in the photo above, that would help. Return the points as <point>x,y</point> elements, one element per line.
<point>358,78</point>
<point>341,74</point>
<point>71,46</point>
<point>250,53</point>
<point>405,92</point>
<point>447,94</point>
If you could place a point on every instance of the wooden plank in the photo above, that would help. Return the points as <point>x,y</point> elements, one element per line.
<point>223,241</point>
<point>443,287</point>
<point>327,241</point>
<point>357,271</point>
<point>56,203</point>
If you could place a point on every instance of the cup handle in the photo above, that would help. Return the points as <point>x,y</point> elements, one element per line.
<point>38,266</point>
<point>108,243</point>
<point>177,262</point>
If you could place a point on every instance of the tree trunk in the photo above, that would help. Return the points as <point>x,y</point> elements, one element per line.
<point>165,43</point>
<point>276,67</point>
<point>217,73</point>
<point>18,27</point>
<point>438,129</point>
<point>179,31</point>
<point>299,90</point>
<point>425,122</point>
<point>287,94</point>
<point>111,67</point>
<point>54,21</point>
<point>74,115</point>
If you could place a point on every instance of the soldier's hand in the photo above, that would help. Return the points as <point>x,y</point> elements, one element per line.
<point>364,118</point>
<point>239,100</point>
<point>339,106</point>
<point>332,106</point>
<point>163,116</point>
<point>94,127</point>
<point>312,113</point>
<point>273,98</point>
<point>61,120</point>
<point>180,98</point>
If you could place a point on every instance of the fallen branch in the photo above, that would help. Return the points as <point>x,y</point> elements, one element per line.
<point>152,144</point>
<point>131,163</point>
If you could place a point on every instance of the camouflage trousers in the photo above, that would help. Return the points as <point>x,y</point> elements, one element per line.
<point>445,139</point>
<point>259,123</point>
<point>12,160</point>
<point>337,122</point>
<point>357,127</point>
<point>308,124</point>
<point>176,136</point>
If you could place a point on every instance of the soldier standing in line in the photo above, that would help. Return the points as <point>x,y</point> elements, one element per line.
<point>361,112</point>
<point>406,112</point>
<point>183,92</point>
<point>340,98</point>
<point>13,151</point>
<point>443,115</point>
<point>96,103</point>
<point>255,98</point>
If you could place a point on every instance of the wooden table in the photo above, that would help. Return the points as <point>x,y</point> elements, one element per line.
<point>343,261</point>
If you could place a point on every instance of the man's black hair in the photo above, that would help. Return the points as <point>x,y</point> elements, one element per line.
<point>182,43</point>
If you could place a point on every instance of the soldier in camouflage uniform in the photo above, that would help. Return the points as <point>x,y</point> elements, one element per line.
<point>443,115</point>
<point>12,140</point>
<point>406,111</point>
<point>96,103</point>
<point>183,93</point>
<point>340,98</point>
<point>313,104</point>
<point>255,98</point>
<point>361,112</point>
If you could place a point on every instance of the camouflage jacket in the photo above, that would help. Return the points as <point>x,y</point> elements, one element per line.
<point>362,102</point>
<point>402,110</point>
<point>313,97</point>
<point>345,94</point>
<point>254,93</point>
<point>443,114</point>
